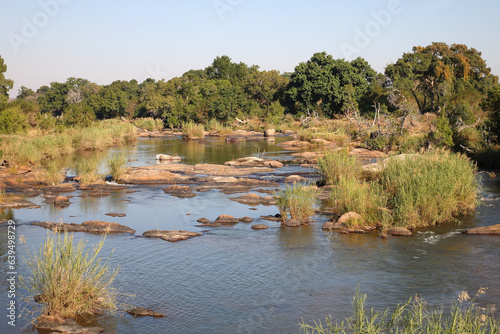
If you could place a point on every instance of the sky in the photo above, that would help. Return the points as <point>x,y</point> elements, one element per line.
<point>43,41</point>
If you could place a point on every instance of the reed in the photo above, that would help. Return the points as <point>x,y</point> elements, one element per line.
<point>115,165</point>
<point>191,130</point>
<point>149,123</point>
<point>88,170</point>
<point>69,280</point>
<point>337,164</point>
<point>297,201</point>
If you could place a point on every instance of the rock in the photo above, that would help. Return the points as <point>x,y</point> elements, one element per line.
<point>144,312</point>
<point>346,218</point>
<point>260,227</point>
<point>294,144</point>
<point>273,164</point>
<point>275,218</point>
<point>492,229</point>
<point>61,201</point>
<point>246,220</point>
<point>293,223</point>
<point>171,236</point>
<point>269,132</point>
<point>97,226</point>
<point>399,231</point>
<point>113,214</point>
<point>164,157</point>
<point>179,191</point>
<point>226,219</point>
<point>99,193</point>
<point>254,199</point>
<point>294,178</point>
<point>60,325</point>
<point>203,220</point>
<point>15,202</point>
<point>320,142</point>
<point>254,162</point>
<point>58,227</point>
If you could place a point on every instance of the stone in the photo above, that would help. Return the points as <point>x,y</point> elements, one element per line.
<point>114,214</point>
<point>399,231</point>
<point>97,226</point>
<point>61,201</point>
<point>269,132</point>
<point>165,157</point>
<point>246,220</point>
<point>254,199</point>
<point>226,219</point>
<point>491,230</point>
<point>327,226</point>
<point>99,193</point>
<point>275,218</point>
<point>180,191</point>
<point>293,223</point>
<point>348,217</point>
<point>294,178</point>
<point>260,227</point>
<point>144,312</point>
<point>55,324</point>
<point>254,162</point>
<point>273,164</point>
<point>203,220</point>
<point>171,236</point>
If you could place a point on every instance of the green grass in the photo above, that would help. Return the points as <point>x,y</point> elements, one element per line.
<point>149,123</point>
<point>68,279</point>
<point>50,174</point>
<point>337,164</point>
<point>115,165</point>
<point>297,201</point>
<point>413,316</point>
<point>88,170</point>
<point>192,130</point>
<point>215,126</point>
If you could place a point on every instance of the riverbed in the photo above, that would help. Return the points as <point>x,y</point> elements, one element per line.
<point>234,279</point>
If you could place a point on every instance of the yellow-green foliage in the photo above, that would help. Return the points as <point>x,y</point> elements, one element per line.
<point>338,164</point>
<point>149,123</point>
<point>215,126</point>
<point>50,174</point>
<point>69,279</point>
<point>115,165</point>
<point>192,130</point>
<point>88,170</point>
<point>297,201</point>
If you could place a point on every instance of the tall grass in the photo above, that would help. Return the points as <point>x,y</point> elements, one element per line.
<point>88,170</point>
<point>70,280</point>
<point>214,126</point>
<point>115,165</point>
<point>149,123</point>
<point>192,130</point>
<point>337,164</point>
<point>297,201</point>
<point>428,189</point>
<point>50,174</point>
<point>411,317</point>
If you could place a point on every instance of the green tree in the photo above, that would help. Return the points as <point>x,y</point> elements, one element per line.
<point>13,120</point>
<point>78,114</point>
<point>5,84</point>
<point>492,104</point>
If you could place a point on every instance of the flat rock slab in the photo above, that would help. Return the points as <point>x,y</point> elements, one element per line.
<point>94,226</point>
<point>60,325</point>
<point>400,231</point>
<point>171,236</point>
<point>491,230</point>
<point>144,312</point>
<point>114,214</point>
<point>254,199</point>
<point>18,203</point>
<point>179,191</point>
<point>275,218</point>
<point>226,219</point>
<point>254,162</point>
<point>260,227</point>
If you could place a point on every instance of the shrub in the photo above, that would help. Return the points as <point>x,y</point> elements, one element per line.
<point>297,201</point>
<point>78,115</point>
<point>88,170</point>
<point>428,189</point>
<point>50,174</point>
<point>411,317</point>
<point>69,280</point>
<point>192,130</point>
<point>13,120</point>
<point>149,123</point>
<point>115,165</point>
<point>338,164</point>
<point>215,126</point>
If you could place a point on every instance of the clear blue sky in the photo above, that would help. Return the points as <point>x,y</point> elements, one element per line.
<point>50,40</point>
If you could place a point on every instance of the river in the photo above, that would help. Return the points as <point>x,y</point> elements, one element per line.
<point>239,280</point>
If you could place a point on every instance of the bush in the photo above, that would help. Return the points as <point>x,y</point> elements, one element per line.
<point>149,123</point>
<point>115,165</point>
<point>78,115</point>
<point>297,201</point>
<point>50,174</point>
<point>88,170</point>
<point>192,130</point>
<point>428,189</point>
<point>13,120</point>
<point>68,280</point>
<point>411,317</point>
<point>338,164</point>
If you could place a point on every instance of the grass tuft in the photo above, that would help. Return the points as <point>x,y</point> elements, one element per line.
<point>338,164</point>
<point>297,201</point>
<point>191,130</point>
<point>115,165</point>
<point>88,170</point>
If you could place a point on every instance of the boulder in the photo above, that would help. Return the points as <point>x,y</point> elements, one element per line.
<point>254,162</point>
<point>171,236</point>
<point>97,226</point>
<point>246,220</point>
<point>348,217</point>
<point>292,223</point>
<point>400,231</point>
<point>260,227</point>
<point>492,229</point>
<point>203,220</point>
<point>327,226</point>
<point>226,219</point>
<point>165,157</point>
<point>62,201</point>
<point>269,132</point>
<point>179,191</point>
<point>273,164</point>
<point>254,199</point>
<point>294,178</point>
<point>144,312</point>
<point>52,324</point>
<point>275,218</point>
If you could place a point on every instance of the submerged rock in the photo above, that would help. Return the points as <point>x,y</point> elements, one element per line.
<point>293,223</point>
<point>94,226</point>
<point>171,236</point>
<point>179,191</point>
<point>492,229</point>
<point>260,227</point>
<point>113,214</point>
<point>144,312</point>
<point>254,199</point>
<point>275,218</point>
<point>61,325</point>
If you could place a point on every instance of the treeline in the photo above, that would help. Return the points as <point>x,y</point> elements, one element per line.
<point>452,82</point>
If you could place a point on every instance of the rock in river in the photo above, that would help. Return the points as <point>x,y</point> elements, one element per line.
<point>180,191</point>
<point>226,219</point>
<point>52,324</point>
<point>492,229</point>
<point>94,226</point>
<point>171,236</point>
<point>144,312</point>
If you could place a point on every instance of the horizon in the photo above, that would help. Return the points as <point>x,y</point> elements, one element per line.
<point>48,41</point>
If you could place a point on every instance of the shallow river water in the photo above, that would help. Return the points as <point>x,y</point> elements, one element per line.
<point>238,280</point>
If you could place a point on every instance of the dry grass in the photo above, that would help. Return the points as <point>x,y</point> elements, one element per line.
<point>297,201</point>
